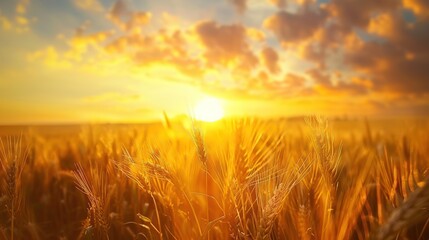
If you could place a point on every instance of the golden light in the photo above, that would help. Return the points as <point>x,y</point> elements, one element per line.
<point>209,110</point>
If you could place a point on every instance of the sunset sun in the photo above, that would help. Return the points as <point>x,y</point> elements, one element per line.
<point>209,110</point>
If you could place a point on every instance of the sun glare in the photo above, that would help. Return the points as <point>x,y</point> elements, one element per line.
<point>209,110</point>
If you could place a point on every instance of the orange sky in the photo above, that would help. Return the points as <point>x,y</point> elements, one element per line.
<point>130,60</point>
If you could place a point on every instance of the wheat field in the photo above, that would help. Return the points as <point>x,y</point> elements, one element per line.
<point>248,178</point>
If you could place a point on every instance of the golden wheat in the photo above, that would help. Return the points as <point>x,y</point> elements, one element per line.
<point>241,179</point>
<point>13,159</point>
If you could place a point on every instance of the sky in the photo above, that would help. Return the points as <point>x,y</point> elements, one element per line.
<point>131,60</point>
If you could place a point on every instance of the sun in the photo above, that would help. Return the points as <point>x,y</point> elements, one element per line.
<point>209,110</point>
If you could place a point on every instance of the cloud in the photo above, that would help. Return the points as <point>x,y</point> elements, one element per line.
<point>289,86</point>
<point>82,49</point>
<point>278,3</point>
<point>412,37</point>
<point>118,11</point>
<point>270,59</point>
<point>163,47</point>
<point>128,20</point>
<point>225,45</point>
<point>22,6</point>
<point>89,5</point>
<point>81,45</point>
<point>399,62</point>
<point>137,20</point>
<point>295,80</point>
<point>331,84</point>
<point>313,51</point>
<point>222,39</point>
<point>239,5</point>
<point>353,13</point>
<point>388,65</point>
<point>256,34</point>
<point>337,52</point>
<point>419,7</point>
<point>5,23</point>
<point>295,27</point>
<point>19,22</point>
<point>388,54</point>
<point>50,57</point>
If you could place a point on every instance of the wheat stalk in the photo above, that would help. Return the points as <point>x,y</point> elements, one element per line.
<point>161,172</point>
<point>303,223</point>
<point>411,211</point>
<point>271,211</point>
<point>96,224</point>
<point>198,139</point>
<point>202,156</point>
<point>234,206</point>
<point>13,162</point>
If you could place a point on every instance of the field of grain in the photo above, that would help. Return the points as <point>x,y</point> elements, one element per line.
<point>234,179</point>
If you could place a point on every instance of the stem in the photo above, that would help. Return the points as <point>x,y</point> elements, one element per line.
<point>12,218</point>
<point>208,205</point>
<point>157,216</point>
<point>193,212</point>
<point>379,204</point>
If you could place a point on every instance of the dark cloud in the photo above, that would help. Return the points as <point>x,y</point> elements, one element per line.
<point>294,80</point>
<point>353,13</point>
<point>315,52</point>
<point>222,39</point>
<point>419,7</point>
<point>118,10</point>
<point>399,63</point>
<point>225,44</point>
<point>324,84</point>
<point>332,35</point>
<point>319,77</point>
<point>412,37</point>
<point>126,19</point>
<point>295,27</point>
<point>239,5</point>
<point>387,53</point>
<point>270,59</point>
<point>387,64</point>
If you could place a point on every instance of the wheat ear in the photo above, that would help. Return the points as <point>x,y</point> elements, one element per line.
<point>271,211</point>
<point>12,162</point>
<point>414,209</point>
